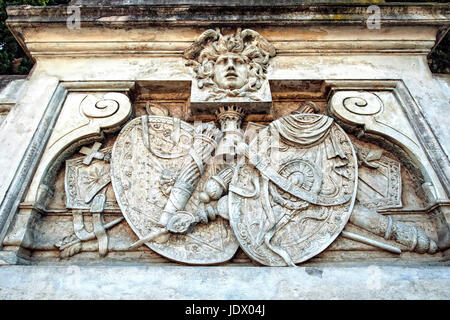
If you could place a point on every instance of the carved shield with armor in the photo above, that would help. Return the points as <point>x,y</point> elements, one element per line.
<point>293,193</point>
<point>158,166</point>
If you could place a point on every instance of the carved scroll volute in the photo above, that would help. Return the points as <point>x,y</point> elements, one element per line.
<point>385,119</point>
<point>368,110</point>
<point>356,106</point>
<point>109,110</point>
<point>82,120</point>
<point>85,118</point>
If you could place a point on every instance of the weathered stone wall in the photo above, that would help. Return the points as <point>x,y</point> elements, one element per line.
<point>136,52</point>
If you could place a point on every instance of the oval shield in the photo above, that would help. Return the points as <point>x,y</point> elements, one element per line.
<point>294,192</point>
<point>150,157</point>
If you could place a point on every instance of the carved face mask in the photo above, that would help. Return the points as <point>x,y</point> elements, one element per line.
<point>230,71</point>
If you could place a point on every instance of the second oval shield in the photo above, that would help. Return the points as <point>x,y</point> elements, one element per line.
<point>294,193</point>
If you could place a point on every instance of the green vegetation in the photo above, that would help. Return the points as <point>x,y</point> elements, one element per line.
<point>14,61</point>
<point>439,59</point>
<point>12,58</point>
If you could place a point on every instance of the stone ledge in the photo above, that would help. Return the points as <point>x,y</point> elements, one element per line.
<point>203,14</point>
<point>228,3</point>
<point>262,283</point>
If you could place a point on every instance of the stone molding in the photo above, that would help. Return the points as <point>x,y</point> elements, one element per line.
<point>311,41</point>
<point>54,38</point>
<point>24,174</point>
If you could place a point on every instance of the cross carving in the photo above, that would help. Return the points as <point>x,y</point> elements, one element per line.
<point>92,153</point>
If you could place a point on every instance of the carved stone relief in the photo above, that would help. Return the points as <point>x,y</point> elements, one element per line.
<point>282,191</point>
<point>230,69</point>
<point>86,178</point>
<point>384,226</point>
<point>72,244</point>
<point>379,180</point>
<point>159,166</point>
<point>84,119</point>
<point>287,194</point>
<point>86,181</point>
<point>305,170</point>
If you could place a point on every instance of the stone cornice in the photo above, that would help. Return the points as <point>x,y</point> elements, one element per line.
<point>209,15</point>
<point>162,30</point>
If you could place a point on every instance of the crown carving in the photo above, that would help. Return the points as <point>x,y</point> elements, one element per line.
<point>228,114</point>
